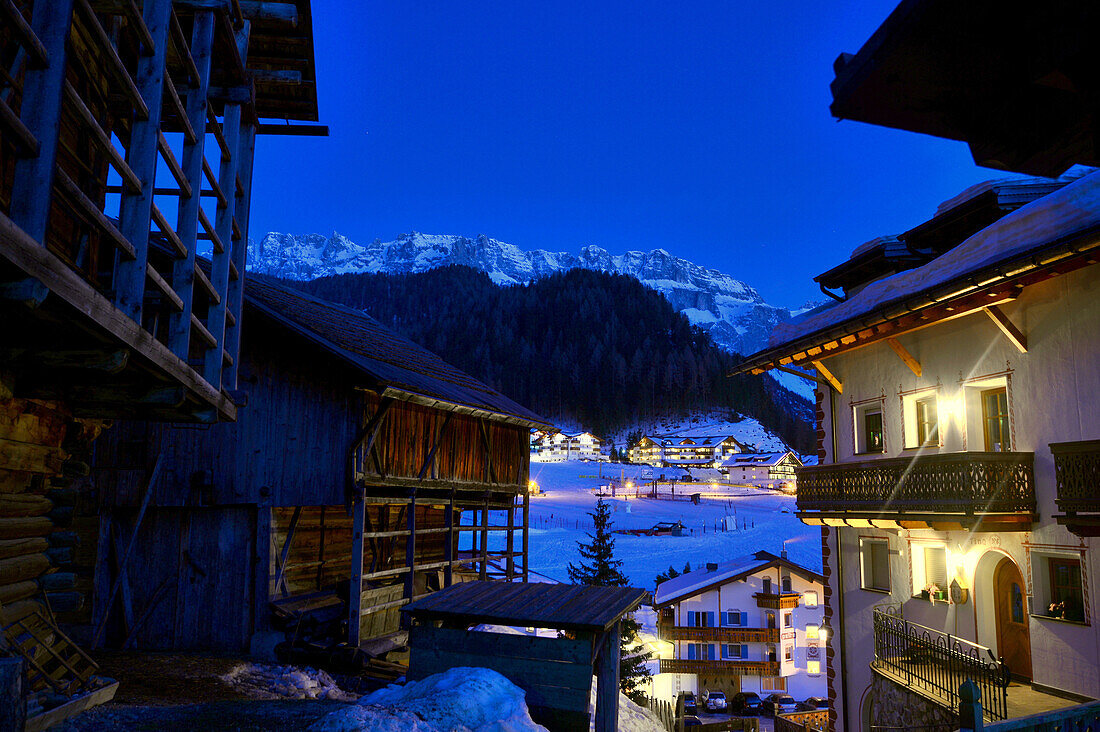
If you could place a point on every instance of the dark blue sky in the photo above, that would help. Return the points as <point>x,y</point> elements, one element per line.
<point>700,127</point>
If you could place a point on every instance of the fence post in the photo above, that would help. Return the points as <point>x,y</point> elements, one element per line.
<point>970,707</point>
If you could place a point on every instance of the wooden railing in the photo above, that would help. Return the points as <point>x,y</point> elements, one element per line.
<point>1077,474</point>
<point>670,632</point>
<point>686,666</point>
<point>64,138</point>
<point>781,601</point>
<point>963,482</point>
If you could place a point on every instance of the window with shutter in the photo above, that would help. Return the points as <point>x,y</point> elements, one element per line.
<point>874,557</point>
<point>935,566</point>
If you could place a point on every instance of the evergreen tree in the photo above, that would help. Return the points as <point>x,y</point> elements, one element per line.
<point>599,567</point>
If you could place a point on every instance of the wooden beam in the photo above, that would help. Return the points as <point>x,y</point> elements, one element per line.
<point>410,547</point>
<point>27,37</point>
<point>607,681</point>
<point>355,591</point>
<point>239,254</point>
<point>135,209</point>
<point>40,114</point>
<point>448,549</point>
<point>905,356</point>
<point>25,144</point>
<point>1006,326</point>
<point>280,14</point>
<point>280,578</point>
<point>526,529</point>
<point>801,375</point>
<point>828,376</point>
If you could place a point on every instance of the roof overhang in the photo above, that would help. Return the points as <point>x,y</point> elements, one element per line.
<point>1018,82</point>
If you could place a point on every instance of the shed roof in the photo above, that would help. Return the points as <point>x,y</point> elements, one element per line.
<point>529,604</point>
<point>403,368</point>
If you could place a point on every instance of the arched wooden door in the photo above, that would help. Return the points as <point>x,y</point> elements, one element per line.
<point>1010,605</point>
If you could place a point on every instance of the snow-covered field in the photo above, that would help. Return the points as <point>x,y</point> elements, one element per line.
<point>559,518</point>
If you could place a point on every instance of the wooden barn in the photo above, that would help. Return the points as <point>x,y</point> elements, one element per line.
<point>363,473</point>
<point>104,313</point>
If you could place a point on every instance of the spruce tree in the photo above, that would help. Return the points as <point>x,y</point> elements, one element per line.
<point>599,567</point>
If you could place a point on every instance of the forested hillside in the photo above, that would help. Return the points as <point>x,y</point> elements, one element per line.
<point>597,348</point>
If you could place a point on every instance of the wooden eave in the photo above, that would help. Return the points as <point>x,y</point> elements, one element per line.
<point>897,519</point>
<point>992,285</point>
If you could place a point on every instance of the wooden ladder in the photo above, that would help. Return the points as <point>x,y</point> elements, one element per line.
<point>52,658</point>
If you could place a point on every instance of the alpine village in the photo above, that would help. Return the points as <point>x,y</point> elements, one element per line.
<point>260,481</point>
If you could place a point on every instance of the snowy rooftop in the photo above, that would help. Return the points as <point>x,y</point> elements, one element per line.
<point>1040,225</point>
<point>755,458</point>
<point>694,582</point>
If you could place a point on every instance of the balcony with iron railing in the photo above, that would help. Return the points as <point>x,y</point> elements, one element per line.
<point>941,490</point>
<point>742,668</point>
<point>1077,476</point>
<point>934,664</point>
<point>666,630</point>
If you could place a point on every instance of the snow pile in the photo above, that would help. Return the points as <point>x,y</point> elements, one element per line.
<point>460,699</point>
<point>633,718</point>
<point>266,681</point>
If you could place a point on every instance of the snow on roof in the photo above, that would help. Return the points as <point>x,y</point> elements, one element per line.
<point>693,582</point>
<point>1074,208</point>
<point>756,458</point>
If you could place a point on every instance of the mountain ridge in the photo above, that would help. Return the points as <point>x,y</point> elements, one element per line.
<point>730,310</point>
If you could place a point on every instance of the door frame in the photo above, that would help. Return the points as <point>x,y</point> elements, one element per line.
<point>1004,564</point>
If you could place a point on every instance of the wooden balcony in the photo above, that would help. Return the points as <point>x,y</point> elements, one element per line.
<point>669,632</point>
<point>1077,474</point>
<point>972,490</point>
<point>782,601</point>
<point>738,668</point>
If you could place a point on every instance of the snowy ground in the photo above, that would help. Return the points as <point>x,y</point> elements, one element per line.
<point>559,518</point>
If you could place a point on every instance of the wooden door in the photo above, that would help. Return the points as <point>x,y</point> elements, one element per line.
<point>1010,605</point>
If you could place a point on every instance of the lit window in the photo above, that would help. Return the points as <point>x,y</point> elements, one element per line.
<point>788,653</point>
<point>928,423</point>
<point>809,599</point>
<point>811,632</point>
<point>787,620</point>
<point>813,668</point>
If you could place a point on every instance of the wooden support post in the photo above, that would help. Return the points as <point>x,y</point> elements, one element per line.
<point>223,225</point>
<point>265,569</point>
<point>801,375</point>
<point>40,113</point>
<point>1006,326</point>
<point>410,547</point>
<point>510,562</point>
<point>484,569</point>
<point>449,548</point>
<point>355,585</point>
<point>905,356</point>
<point>280,579</point>
<point>136,208</point>
<point>607,681</point>
<point>187,221</point>
<point>235,297</point>
<point>526,535</point>
<point>828,376</point>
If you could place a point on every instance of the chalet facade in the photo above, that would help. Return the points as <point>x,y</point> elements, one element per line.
<point>748,624</point>
<point>958,431</point>
<point>689,449</point>
<point>774,470</point>
<point>364,473</point>
<point>106,312</point>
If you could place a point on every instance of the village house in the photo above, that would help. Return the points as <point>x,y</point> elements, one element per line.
<point>392,469</point>
<point>686,449</point>
<point>748,624</point>
<point>774,470</point>
<point>956,404</point>
<point>106,312</point>
<point>553,446</point>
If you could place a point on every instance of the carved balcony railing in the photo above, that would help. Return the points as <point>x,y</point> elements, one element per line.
<point>669,632</point>
<point>745,668</point>
<point>1077,473</point>
<point>782,601</point>
<point>962,484</point>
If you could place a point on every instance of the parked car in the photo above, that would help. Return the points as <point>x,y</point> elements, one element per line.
<point>714,701</point>
<point>780,704</point>
<point>689,703</point>
<point>692,721</point>
<point>813,704</point>
<point>745,702</point>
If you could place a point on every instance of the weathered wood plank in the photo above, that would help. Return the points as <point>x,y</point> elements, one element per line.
<point>355,592</point>
<point>565,650</point>
<point>607,682</point>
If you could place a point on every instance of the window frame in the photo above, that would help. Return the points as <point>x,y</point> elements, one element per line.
<point>1004,418</point>
<point>926,438</point>
<point>866,562</point>
<point>866,446</point>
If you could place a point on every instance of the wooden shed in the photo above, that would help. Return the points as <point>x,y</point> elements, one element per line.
<point>362,472</point>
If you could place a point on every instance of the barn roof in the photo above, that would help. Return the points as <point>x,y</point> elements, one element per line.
<point>529,604</point>
<point>404,369</point>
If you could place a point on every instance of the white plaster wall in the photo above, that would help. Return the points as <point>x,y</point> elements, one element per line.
<point>1054,396</point>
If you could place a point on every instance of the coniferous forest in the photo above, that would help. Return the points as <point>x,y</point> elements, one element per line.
<point>596,348</point>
